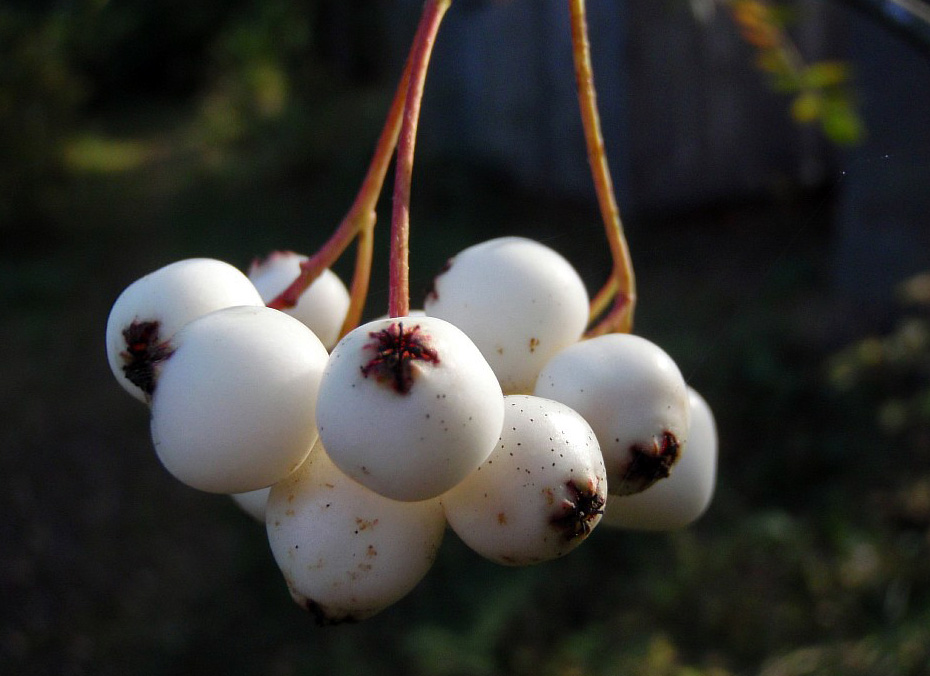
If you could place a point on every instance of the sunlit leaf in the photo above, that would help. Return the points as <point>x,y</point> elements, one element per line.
<point>96,154</point>
<point>773,61</point>
<point>807,107</point>
<point>826,74</point>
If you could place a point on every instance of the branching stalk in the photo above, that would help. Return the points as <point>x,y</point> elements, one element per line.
<point>361,214</point>
<point>365,246</point>
<point>619,293</point>
<point>399,298</point>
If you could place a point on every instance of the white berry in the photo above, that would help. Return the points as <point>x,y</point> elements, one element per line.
<point>518,300</point>
<point>235,403</point>
<point>539,493</point>
<point>152,309</point>
<point>635,398</point>
<point>253,502</point>
<point>346,552</point>
<point>408,407</point>
<point>322,306</point>
<point>683,497</point>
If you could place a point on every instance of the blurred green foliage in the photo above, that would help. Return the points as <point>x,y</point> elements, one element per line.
<point>821,92</point>
<point>40,93</point>
<point>890,373</point>
<point>238,64</point>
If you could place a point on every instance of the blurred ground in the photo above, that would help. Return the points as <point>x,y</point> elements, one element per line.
<point>813,558</point>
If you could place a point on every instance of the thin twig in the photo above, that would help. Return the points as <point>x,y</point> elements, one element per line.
<point>362,211</point>
<point>621,287</point>
<point>399,298</point>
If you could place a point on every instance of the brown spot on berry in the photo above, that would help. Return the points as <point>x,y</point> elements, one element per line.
<point>502,518</point>
<point>143,351</point>
<point>534,343</point>
<point>649,464</point>
<point>582,507</point>
<point>396,351</point>
<point>432,294</point>
<point>323,617</point>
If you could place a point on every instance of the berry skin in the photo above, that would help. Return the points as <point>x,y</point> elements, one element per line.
<point>518,300</point>
<point>634,397</point>
<point>683,497</point>
<point>541,491</point>
<point>235,403</point>
<point>322,306</point>
<point>408,407</point>
<point>148,313</point>
<point>253,502</point>
<point>347,553</point>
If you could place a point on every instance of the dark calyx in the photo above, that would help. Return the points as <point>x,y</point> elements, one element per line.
<point>582,507</point>
<point>650,463</point>
<point>143,351</point>
<point>396,351</point>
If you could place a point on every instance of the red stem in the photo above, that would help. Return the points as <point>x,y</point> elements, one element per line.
<point>361,277</point>
<point>399,299</point>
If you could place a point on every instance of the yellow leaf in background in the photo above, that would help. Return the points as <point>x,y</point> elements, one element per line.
<point>751,13</point>
<point>773,61</point>
<point>807,107</point>
<point>825,74</point>
<point>102,155</point>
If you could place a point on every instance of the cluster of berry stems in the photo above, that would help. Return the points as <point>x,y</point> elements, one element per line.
<point>614,303</point>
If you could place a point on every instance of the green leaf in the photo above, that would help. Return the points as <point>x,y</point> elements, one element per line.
<point>841,123</point>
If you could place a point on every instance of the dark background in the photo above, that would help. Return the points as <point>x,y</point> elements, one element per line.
<point>770,263</point>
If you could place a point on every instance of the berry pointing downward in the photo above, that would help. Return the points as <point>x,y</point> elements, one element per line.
<point>396,351</point>
<point>408,407</point>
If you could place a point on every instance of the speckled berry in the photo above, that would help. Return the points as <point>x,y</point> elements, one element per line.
<point>539,494</point>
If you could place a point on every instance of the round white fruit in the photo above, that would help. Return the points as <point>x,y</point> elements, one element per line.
<point>347,552</point>
<point>634,397</point>
<point>518,300</point>
<point>322,306</point>
<point>683,497</point>
<point>539,493</point>
<point>408,407</point>
<point>152,309</point>
<point>235,403</point>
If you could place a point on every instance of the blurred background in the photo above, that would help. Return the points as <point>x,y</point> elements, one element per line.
<point>776,210</point>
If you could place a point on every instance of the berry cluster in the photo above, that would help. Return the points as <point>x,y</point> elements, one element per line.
<point>490,412</point>
<point>496,410</point>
